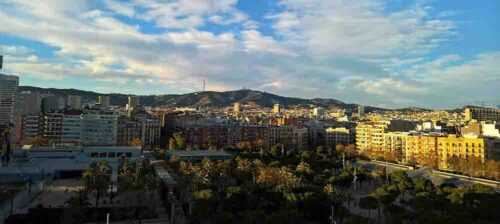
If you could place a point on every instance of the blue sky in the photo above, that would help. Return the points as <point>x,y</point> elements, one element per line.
<point>389,53</point>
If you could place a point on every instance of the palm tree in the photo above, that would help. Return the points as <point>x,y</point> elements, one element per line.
<point>385,195</point>
<point>97,179</point>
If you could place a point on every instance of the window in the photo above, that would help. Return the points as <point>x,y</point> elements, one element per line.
<point>128,154</point>
<point>102,155</point>
<point>111,155</point>
<point>94,154</point>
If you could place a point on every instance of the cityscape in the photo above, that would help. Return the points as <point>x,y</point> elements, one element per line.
<point>211,112</point>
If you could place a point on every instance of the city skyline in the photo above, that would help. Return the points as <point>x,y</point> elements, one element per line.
<point>381,53</point>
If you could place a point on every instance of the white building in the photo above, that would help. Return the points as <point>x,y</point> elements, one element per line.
<point>236,108</point>
<point>318,112</point>
<point>490,129</point>
<point>276,108</point>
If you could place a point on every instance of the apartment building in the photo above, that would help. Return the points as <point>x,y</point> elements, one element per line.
<point>340,135</point>
<point>461,147</point>
<point>482,114</point>
<point>370,135</point>
<point>99,129</point>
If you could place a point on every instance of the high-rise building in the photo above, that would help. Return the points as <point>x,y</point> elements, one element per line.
<point>52,104</point>
<point>361,111</point>
<point>276,108</point>
<point>133,102</point>
<point>150,131</point>
<point>128,130</point>
<point>8,94</point>
<point>29,103</point>
<point>236,108</point>
<point>318,112</point>
<point>74,102</point>
<point>103,101</point>
<point>132,106</point>
<point>482,114</point>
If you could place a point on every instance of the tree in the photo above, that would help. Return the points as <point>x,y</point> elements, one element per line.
<point>172,144</point>
<point>305,155</point>
<point>385,195</point>
<point>402,181</point>
<point>320,152</point>
<point>454,163</point>
<point>304,168</point>
<point>492,169</point>
<point>422,184</point>
<point>340,148</point>
<point>38,141</point>
<point>97,179</point>
<point>275,151</point>
<point>180,141</point>
<point>136,142</point>
<point>350,150</point>
<point>429,159</point>
<point>177,141</point>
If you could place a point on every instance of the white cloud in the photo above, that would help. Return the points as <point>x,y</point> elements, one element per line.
<point>360,28</point>
<point>203,39</point>
<point>352,50</point>
<point>122,8</point>
<point>188,14</point>
<point>254,41</point>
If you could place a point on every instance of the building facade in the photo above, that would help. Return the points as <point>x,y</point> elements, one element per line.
<point>482,114</point>
<point>8,95</point>
<point>370,135</point>
<point>340,135</point>
<point>99,129</point>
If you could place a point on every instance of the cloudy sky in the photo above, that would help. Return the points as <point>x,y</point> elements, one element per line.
<point>390,53</point>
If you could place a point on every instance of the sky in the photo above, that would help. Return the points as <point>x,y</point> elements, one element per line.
<point>387,53</point>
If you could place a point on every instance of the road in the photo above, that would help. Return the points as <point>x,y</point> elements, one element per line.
<point>437,177</point>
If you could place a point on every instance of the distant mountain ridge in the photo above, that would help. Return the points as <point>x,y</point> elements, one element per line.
<point>203,99</point>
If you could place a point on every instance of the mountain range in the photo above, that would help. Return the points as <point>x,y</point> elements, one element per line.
<point>204,99</point>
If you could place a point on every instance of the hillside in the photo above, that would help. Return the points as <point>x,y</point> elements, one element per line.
<point>205,99</point>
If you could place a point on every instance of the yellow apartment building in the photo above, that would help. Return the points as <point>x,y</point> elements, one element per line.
<point>461,147</point>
